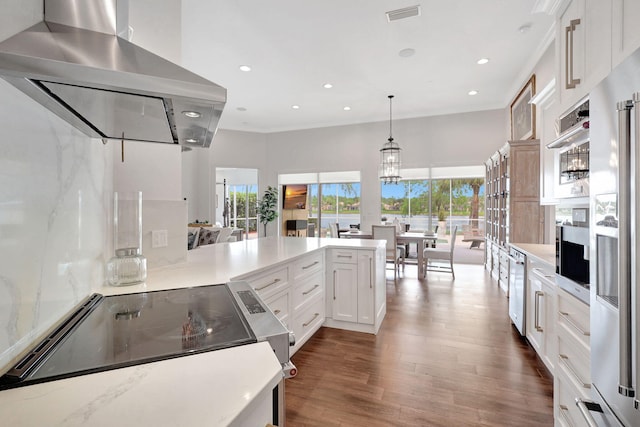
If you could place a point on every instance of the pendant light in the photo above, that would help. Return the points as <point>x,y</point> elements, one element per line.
<point>390,157</point>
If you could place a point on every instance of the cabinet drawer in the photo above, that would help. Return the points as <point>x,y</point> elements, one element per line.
<point>307,321</point>
<point>345,256</point>
<point>566,411</point>
<point>307,265</point>
<point>279,304</point>
<point>574,362</point>
<point>573,315</point>
<point>306,290</point>
<point>269,282</point>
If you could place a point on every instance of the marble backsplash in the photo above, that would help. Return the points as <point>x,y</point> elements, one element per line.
<point>55,184</point>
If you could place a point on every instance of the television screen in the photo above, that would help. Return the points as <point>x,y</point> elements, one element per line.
<point>295,197</point>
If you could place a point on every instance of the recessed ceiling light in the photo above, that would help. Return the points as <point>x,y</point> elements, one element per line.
<point>327,85</point>
<point>347,108</point>
<point>473,92</point>
<point>482,61</point>
<point>405,53</point>
<point>241,109</point>
<point>191,140</point>
<point>245,68</point>
<point>192,114</point>
<point>295,107</point>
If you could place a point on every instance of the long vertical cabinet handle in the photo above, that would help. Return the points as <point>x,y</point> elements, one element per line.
<point>570,81</point>
<point>625,385</point>
<point>636,265</point>
<point>370,272</point>
<point>536,311</point>
<point>334,283</point>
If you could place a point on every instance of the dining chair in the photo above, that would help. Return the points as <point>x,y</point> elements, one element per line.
<point>333,230</point>
<point>441,253</point>
<point>395,253</point>
<point>224,234</point>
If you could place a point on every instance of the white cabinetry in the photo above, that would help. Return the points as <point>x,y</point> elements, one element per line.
<point>294,292</point>
<point>625,33</point>
<point>541,312</point>
<point>344,286</point>
<point>356,293</point>
<point>583,48</point>
<point>572,378</point>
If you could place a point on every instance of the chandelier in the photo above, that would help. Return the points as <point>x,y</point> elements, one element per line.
<point>390,157</point>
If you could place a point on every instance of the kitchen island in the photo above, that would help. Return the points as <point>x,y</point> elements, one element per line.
<point>223,387</point>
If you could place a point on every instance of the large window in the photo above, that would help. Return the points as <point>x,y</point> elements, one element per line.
<point>334,197</point>
<point>436,200</point>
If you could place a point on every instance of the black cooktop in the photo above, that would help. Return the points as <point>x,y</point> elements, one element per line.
<point>124,330</point>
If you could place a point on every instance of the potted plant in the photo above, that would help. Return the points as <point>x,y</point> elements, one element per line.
<point>267,207</point>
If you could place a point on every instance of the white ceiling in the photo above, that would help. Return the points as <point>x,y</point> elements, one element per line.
<point>296,46</point>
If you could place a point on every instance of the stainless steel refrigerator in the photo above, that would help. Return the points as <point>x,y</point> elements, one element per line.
<point>615,245</point>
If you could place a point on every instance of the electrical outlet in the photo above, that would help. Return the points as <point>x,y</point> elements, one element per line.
<point>159,239</point>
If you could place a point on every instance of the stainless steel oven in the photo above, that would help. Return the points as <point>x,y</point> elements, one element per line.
<point>116,331</point>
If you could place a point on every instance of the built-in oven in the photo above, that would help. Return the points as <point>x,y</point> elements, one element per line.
<point>571,160</point>
<point>572,255</point>
<point>116,331</point>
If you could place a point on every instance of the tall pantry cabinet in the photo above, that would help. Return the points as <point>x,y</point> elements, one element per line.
<point>513,211</point>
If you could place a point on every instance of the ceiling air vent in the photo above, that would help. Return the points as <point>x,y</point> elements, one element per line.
<point>407,12</point>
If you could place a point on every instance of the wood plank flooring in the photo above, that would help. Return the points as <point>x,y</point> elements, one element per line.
<point>446,355</point>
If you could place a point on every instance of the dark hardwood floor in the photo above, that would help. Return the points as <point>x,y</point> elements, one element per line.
<point>446,355</point>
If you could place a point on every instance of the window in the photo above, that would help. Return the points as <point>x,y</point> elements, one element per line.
<point>333,197</point>
<point>439,197</point>
<point>237,190</point>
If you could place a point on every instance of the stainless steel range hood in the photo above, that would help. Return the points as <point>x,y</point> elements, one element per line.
<point>77,64</point>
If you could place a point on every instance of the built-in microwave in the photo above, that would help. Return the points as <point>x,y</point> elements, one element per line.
<point>572,152</point>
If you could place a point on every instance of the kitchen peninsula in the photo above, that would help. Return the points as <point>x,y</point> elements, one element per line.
<point>222,387</point>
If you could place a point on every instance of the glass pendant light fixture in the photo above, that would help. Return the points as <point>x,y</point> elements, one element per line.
<point>390,157</point>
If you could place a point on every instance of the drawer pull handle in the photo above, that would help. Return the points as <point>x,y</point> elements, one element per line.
<point>311,265</point>
<point>267,285</point>
<point>311,290</point>
<point>574,324</point>
<point>315,316</point>
<point>536,311</point>
<point>345,256</point>
<point>565,361</point>
<point>276,312</point>
<point>564,413</point>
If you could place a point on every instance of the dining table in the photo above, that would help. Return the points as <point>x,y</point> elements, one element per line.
<point>407,237</point>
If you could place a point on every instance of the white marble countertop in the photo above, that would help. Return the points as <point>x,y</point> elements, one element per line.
<point>194,390</point>
<point>218,263</point>
<point>184,391</point>
<point>544,253</point>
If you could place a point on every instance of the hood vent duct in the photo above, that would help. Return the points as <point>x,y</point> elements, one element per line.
<point>77,64</point>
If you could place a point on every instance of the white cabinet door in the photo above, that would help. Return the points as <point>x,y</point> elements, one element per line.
<point>366,287</point>
<point>625,34</point>
<point>570,48</point>
<point>597,56</point>
<point>344,304</point>
<point>535,314</point>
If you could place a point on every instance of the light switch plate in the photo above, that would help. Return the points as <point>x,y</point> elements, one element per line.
<point>159,239</point>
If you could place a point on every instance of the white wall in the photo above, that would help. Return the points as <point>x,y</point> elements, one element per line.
<point>449,140</point>
<point>157,27</point>
<point>229,149</point>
